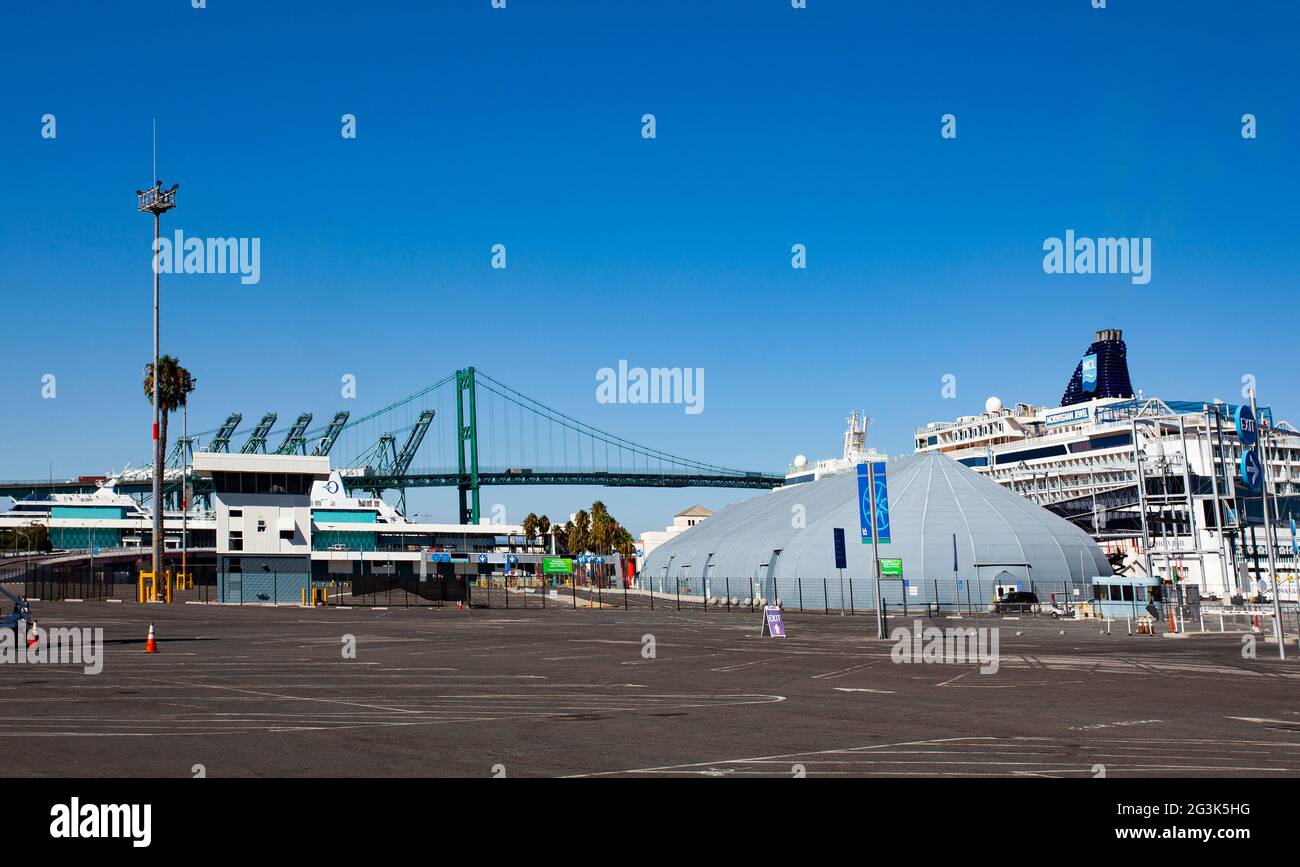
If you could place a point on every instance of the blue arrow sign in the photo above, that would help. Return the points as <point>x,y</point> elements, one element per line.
<point>1251,471</point>
<point>482,558</point>
<point>512,559</point>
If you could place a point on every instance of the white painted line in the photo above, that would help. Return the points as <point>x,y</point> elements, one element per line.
<point>851,689</point>
<point>843,671</point>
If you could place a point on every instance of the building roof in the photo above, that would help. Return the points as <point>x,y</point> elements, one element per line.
<point>207,463</point>
<point>931,497</point>
<point>696,511</point>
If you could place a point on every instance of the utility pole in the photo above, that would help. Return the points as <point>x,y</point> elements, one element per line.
<point>156,201</point>
<point>1268,535</point>
<point>185,486</point>
<point>1142,498</point>
<point>875,552</point>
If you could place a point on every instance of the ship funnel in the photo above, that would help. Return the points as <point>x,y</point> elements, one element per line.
<point>1102,372</point>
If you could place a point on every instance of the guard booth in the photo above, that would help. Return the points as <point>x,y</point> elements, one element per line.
<point>1119,597</point>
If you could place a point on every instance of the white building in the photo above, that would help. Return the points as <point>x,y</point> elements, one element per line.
<point>682,521</point>
<point>264,522</point>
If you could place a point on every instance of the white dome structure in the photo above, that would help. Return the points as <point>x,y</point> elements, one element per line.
<point>783,542</point>
<point>993,404</point>
<point>800,461</point>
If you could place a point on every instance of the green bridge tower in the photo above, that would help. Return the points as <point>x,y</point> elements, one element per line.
<point>467,435</point>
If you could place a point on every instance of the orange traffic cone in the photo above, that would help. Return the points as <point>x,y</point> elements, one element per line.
<point>151,643</point>
<point>33,635</point>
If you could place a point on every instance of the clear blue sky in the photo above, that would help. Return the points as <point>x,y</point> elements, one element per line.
<point>775,126</point>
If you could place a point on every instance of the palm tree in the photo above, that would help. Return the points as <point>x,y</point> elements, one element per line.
<point>174,387</point>
<point>602,533</point>
<point>530,528</point>
<point>543,528</point>
<point>624,544</point>
<point>560,536</point>
<point>579,532</point>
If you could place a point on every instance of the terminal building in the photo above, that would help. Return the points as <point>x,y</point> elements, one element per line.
<point>264,522</point>
<point>284,521</point>
<point>961,538</point>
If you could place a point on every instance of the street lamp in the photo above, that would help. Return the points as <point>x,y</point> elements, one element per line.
<point>156,201</point>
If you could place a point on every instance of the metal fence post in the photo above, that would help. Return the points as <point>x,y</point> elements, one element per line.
<point>800,580</point>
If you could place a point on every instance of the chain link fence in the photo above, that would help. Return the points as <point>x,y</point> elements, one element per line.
<point>85,581</point>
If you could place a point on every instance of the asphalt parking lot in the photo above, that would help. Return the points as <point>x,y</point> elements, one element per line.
<point>266,691</point>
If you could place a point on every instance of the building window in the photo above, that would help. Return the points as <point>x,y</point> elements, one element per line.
<point>261,526</point>
<point>236,542</point>
<point>286,535</point>
<point>236,513</point>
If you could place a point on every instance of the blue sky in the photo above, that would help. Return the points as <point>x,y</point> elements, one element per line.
<point>522,126</point>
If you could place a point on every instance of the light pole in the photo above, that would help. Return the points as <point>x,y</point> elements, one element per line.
<point>156,201</point>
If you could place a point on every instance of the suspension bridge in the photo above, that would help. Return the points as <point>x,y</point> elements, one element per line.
<point>467,430</point>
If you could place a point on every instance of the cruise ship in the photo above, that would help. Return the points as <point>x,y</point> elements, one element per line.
<point>855,452</point>
<point>1082,457</point>
<point>108,520</point>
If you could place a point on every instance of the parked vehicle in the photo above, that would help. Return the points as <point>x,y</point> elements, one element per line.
<point>21,612</point>
<point>1017,602</point>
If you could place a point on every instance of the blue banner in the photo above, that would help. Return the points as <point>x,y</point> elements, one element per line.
<point>864,503</point>
<point>882,502</point>
<point>873,502</point>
